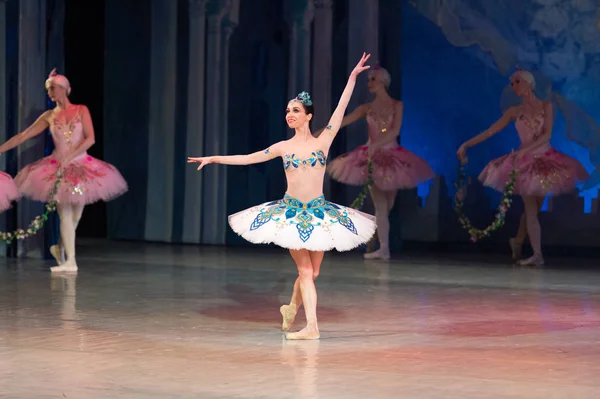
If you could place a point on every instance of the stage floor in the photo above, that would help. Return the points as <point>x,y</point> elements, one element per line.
<point>159,321</point>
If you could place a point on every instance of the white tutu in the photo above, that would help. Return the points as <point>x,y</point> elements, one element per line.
<point>318,225</point>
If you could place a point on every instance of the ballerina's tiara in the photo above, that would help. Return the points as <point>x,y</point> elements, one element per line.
<point>304,98</point>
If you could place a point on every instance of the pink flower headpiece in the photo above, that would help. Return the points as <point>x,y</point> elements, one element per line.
<point>525,75</point>
<point>385,75</point>
<point>59,80</point>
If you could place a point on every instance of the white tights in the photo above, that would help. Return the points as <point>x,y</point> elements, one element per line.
<point>384,202</point>
<point>532,208</point>
<point>70,215</point>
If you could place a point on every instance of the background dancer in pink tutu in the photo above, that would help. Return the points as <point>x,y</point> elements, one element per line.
<point>542,169</point>
<point>394,167</point>
<point>85,179</point>
<point>8,191</point>
<point>303,221</point>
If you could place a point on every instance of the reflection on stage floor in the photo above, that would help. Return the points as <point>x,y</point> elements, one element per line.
<point>146,320</point>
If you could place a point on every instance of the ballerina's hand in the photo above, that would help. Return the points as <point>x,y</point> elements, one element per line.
<point>60,164</point>
<point>64,160</point>
<point>361,65</point>
<point>203,161</point>
<point>462,154</point>
<point>518,156</point>
<point>371,151</point>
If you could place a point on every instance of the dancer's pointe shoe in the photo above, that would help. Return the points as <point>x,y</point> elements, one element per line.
<point>515,247</point>
<point>58,254</point>
<point>372,244</point>
<point>289,315</point>
<point>379,254</point>
<point>67,267</point>
<point>535,260</point>
<point>304,334</point>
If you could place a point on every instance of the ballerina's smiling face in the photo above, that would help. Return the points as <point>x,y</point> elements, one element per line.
<point>298,114</point>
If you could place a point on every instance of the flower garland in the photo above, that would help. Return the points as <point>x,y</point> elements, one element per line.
<point>39,221</point>
<point>505,203</point>
<point>360,200</point>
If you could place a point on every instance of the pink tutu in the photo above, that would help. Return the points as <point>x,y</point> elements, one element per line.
<point>85,181</point>
<point>394,168</point>
<point>546,171</point>
<point>8,191</point>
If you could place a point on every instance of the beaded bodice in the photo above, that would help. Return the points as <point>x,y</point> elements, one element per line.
<point>530,127</point>
<point>66,134</point>
<point>379,122</point>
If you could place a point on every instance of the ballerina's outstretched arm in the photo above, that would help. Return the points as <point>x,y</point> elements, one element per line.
<point>335,122</point>
<point>36,128</point>
<point>250,159</point>
<point>500,124</point>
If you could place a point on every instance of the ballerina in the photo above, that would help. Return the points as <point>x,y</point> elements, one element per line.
<point>542,169</point>
<point>85,179</point>
<point>8,191</point>
<point>303,221</point>
<point>394,167</point>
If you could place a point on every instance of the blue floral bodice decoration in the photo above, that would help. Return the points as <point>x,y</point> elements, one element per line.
<point>316,159</point>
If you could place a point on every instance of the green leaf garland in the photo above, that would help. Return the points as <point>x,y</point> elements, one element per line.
<point>360,200</point>
<point>505,204</point>
<point>38,222</point>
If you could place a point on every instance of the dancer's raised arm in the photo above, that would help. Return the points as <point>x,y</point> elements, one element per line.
<point>249,159</point>
<point>335,122</point>
<point>356,115</point>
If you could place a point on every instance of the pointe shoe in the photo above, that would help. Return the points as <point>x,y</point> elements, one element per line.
<point>515,247</point>
<point>372,244</point>
<point>57,254</point>
<point>67,267</point>
<point>304,334</point>
<point>289,315</point>
<point>535,260</point>
<point>379,254</point>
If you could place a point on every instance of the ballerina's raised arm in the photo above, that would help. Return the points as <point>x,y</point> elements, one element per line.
<point>335,122</point>
<point>275,150</point>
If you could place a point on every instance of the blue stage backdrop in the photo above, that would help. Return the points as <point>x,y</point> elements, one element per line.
<point>456,60</point>
<point>168,98</point>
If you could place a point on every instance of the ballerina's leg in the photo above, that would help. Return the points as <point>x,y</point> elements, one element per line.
<point>309,295</point>
<point>533,230</point>
<point>516,242</point>
<point>289,311</point>
<point>381,202</point>
<point>69,218</point>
